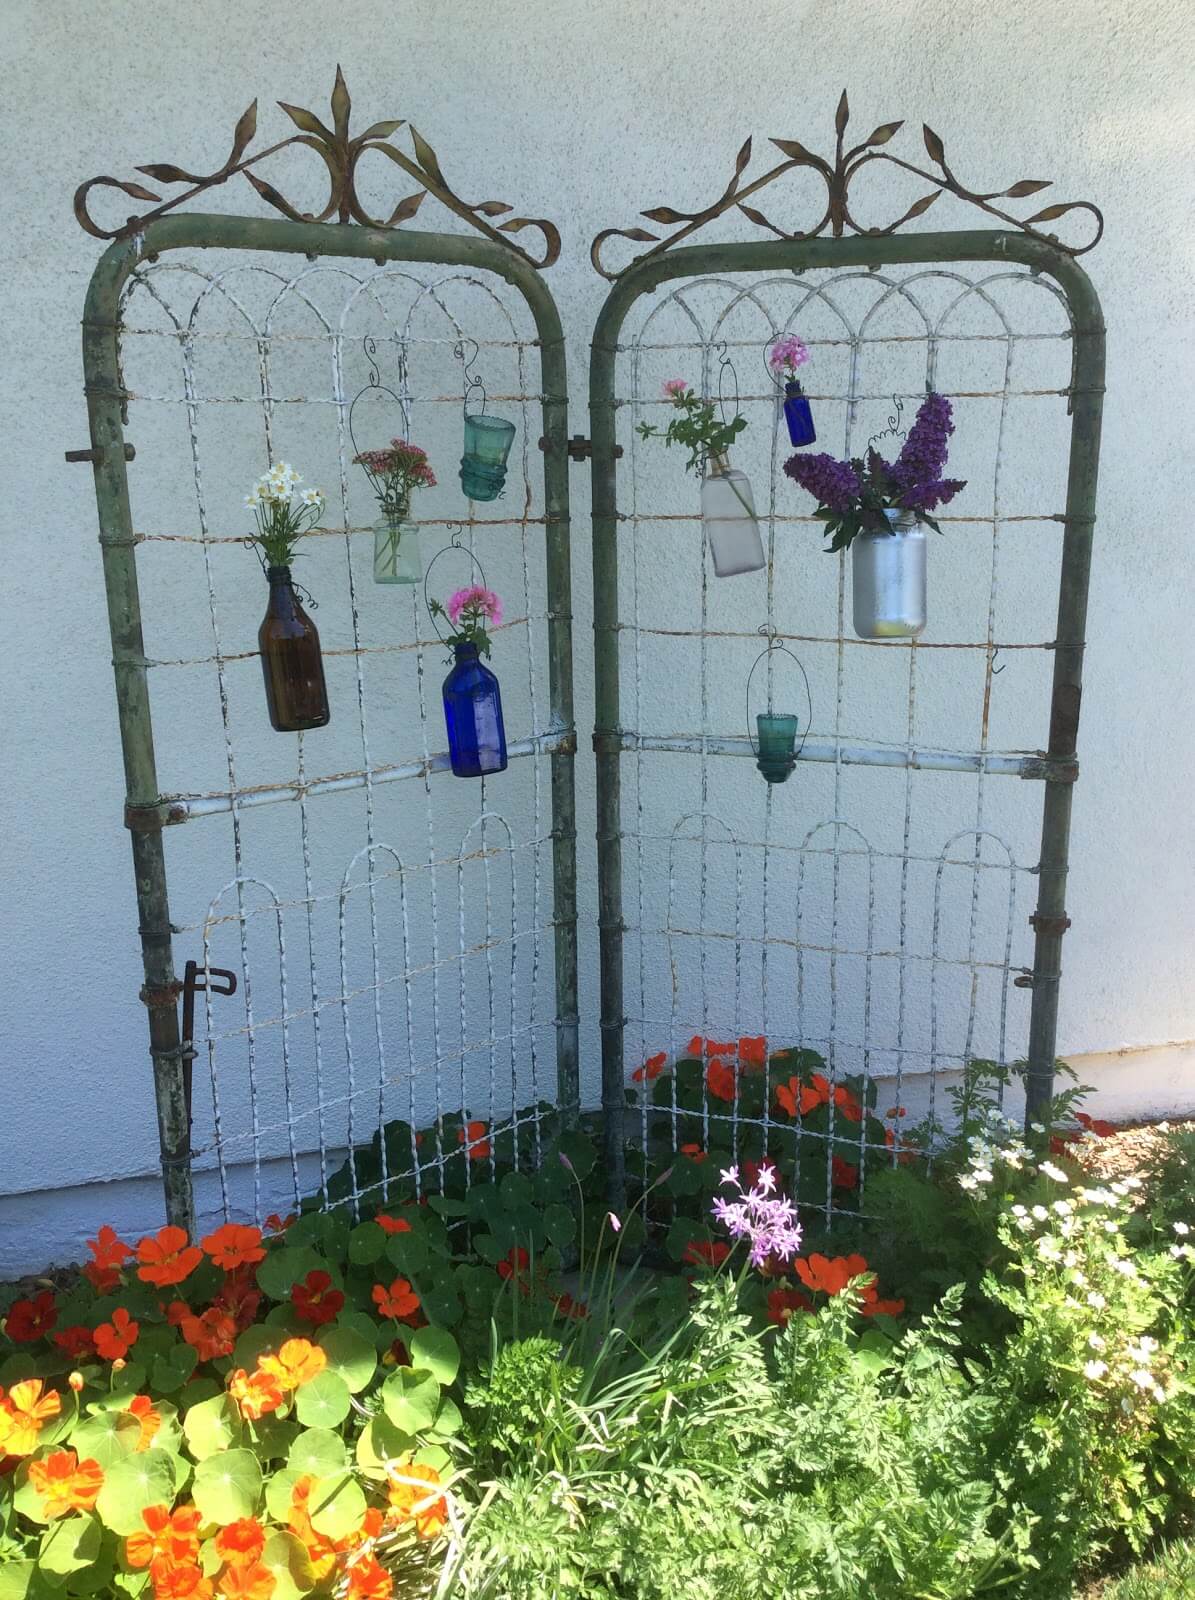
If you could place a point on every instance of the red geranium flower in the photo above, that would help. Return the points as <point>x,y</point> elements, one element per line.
<point>315,1300</point>
<point>31,1319</point>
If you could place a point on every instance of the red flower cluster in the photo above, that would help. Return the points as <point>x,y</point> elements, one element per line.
<point>799,1099</point>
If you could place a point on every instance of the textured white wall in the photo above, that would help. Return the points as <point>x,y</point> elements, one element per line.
<point>583,113</point>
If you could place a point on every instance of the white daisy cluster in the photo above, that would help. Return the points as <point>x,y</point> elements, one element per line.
<point>283,512</point>
<point>998,1141</point>
<point>1182,1249</point>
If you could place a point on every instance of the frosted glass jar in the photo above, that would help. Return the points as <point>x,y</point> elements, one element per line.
<point>728,517</point>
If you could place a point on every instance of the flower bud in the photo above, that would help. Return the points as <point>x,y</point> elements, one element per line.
<point>76,1381</point>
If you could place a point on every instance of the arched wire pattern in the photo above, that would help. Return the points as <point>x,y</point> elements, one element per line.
<point>859,324</point>
<point>275,339</point>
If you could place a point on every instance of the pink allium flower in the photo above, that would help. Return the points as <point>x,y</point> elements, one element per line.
<point>788,353</point>
<point>484,602</point>
<point>675,389</point>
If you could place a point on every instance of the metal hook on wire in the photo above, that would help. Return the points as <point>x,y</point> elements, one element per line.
<point>369,346</point>
<point>997,669</point>
<point>894,429</point>
<point>725,364</point>
<point>472,381</point>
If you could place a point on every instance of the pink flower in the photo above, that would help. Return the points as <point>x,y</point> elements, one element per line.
<point>483,602</point>
<point>675,390</point>
<point>788,353</point>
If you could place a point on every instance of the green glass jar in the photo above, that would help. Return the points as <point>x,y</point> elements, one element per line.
<point>487,446</point>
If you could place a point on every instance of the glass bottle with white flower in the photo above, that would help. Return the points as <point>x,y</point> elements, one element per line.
<point>291,662</point>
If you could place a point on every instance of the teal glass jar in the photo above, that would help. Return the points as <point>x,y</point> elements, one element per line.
<point>487,446</point>
<point>776,750</point>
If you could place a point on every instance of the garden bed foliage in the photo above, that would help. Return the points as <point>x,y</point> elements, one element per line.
<point>480,1383</point>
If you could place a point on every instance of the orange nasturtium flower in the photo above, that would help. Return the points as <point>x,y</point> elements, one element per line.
<point>66,1483</point>
<point>416,1501</point>
<point>651,1068</point>
<point>22,1414</point>
<point>753,1052</point>
<point>694,1152</point>
<point>241,1542</point>
<point>247,1580</point>
<point>255,1394</point>
<point>171,1537</point>
<point>398,1301</point>
<point>321,1551</point>
<point>166,1257</point>
<point>142,1407</point>
<point>277,1224</point>
<point>392,1224</point>
<point>472,1136</point>
<point>181,1583</point>
<point>114,1340</point>
<point>368,1581</point>
<point>297,1362</point>
<point>721,1080</point>
<point>799,1099</point>
<point>315,1300</point>
<point>108,1256</point>
<point>829,1274</point>
<point>211,1335</point>
<point>234,1245</point>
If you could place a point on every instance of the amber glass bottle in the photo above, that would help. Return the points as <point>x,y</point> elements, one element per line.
<point>291,663</point>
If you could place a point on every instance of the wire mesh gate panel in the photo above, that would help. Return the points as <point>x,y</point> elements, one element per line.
<point>876,908</point>
<point>404,943</point>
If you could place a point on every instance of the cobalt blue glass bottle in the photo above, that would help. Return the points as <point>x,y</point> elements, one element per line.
<point>473,716</point>
<point>798,415</point>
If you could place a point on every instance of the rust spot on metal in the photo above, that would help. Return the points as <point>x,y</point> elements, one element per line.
<point>152,818</point>
<point>96,454</point>
<point>1064,718</point>
<point>579,448</point>
<point>167,995</point>
<point>1050,926</point>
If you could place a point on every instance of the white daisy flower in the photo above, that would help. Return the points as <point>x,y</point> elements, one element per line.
<point>1049,1170</point>
<point>1182,1229</point>
<point>1095,1369</point>
<point>1096,1300</point>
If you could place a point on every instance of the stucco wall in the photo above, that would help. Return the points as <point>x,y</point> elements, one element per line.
<point>583,113</point>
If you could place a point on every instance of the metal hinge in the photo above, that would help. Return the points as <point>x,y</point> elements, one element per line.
<point>96,454</point>
<point>580,448</point>
<point>216,980</point>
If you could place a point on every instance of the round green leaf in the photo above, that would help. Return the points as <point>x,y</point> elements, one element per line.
<point>324,1402</point>
<point>438,1351</point>
<point>288,1561</point>
<point>561,1224</point>
<point>211,1426</point>
<point>372,1332</point>
<point>18,1580</point>
<point>408,1252</point>
<point>280,1487</point>
<point>106,1437</point>
<point>337,1505</point>
<point>448,1421</point>
<point>350,1355</point>
<point>132,1483</point>
<point>367,1244</point>
<point>227,1487</point>
<point>69,1545</point>
<point>253,1344</point>
<point>317,1451</point>
<point>411,1399</point>
<point>282,1269</point>
<point>380,1441</point>
<point>272,1436</point>
<point>442,1304</point>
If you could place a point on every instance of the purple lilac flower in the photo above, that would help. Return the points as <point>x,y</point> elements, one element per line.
<point>916,474</point>
<point>770,1225</point>
<point>833,484</point>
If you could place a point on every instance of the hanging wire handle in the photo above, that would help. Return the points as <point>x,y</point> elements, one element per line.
<point>453,544</point>
<point>772,647</point>
<point>894,429</point>
<point>725,364</point>
<point>251,543</point>
<point>473,380</point>
<point>370,346</point>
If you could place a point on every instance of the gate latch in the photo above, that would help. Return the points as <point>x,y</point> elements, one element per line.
<point>580,448</point>
<point>216,980</point>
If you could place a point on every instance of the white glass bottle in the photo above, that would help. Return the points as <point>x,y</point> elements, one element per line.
<point>396,549</point>
<point>728,516</point>
<point>888,579</point>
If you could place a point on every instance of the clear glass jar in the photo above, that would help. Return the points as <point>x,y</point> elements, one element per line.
<point>728,516</point>
<point>396,557</point>
<point>888,579</point>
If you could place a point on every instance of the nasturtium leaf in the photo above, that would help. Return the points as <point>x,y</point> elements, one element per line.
<point>333,1230</point>
<point>19,1581</point>
<point>254,1343</point>
<point>367,1244</point>
<point>211,1426</point>
<point>130,1379</point>
<point>272,1436</point>
<point>317,1451</point>
<point>336,1505</point>
<point>324,1402</point>
<point>437,1351</point>
<point>560,1223</point>
<point>16,1367</point>
<point>516,1192</point>
<point>377,1334</point>
<point>287,1559</point>
<point>282,1269</point>
<point>448,1207</point>
<point>411,1399</point>
<point>280,1488</point>
<point>136,1481</point>
<point>408,1251</point>
<point>350,1356</point>
<point>442,1305</point>
<point>488,1248</point>
<point>198,1389</point>
<point>227,1487</point>
<point>69,1544</point>
<point>99,1576</point>
<point>26,1498</point>
<point>448,1421</point>
<point>434,1455</point>
<point>380,1441</point>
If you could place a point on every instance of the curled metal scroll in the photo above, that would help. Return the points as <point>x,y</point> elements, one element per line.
<point>340,155</point>
<point>838,176</point>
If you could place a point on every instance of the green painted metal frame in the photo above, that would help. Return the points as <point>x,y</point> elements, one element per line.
<point>146,812</point>
<point>1058,769</point>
